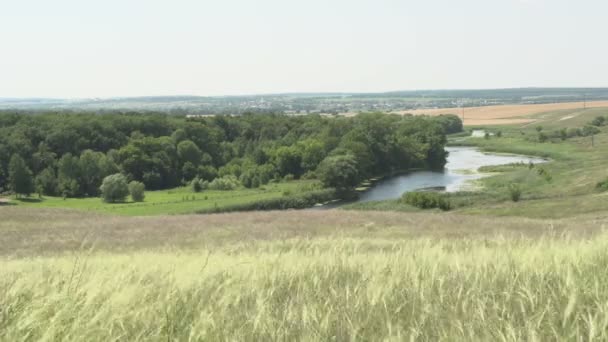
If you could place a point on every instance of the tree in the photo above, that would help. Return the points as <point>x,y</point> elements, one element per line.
<point>91,174</point>
<point>136,190</point>
<point>339,172</point>
<point>188,171</point>
<point>189,152</point>
<point>288,161</point>
<point>178,136</point>
<point>68,170</point>
<point>46,182</point>
<point>313,153</point>
<point>114,188</point>
<point>20,176</point>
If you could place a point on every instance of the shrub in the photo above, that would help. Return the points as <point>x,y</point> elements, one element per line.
<point>574,132</point>
<point>514,192</point>
<point>590,130</point>
<point>137,191</point>
<point>196,185</point>
<point>602,186</point>
<point>598,121</point>
<point>114,188</point>
<point>228,182</point>
<point>544,173</point>
<point>300,201</point>
<point>427,200</point>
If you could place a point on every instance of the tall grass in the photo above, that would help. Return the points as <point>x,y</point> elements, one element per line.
<point>331,288</point>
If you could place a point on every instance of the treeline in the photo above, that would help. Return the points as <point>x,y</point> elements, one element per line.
<point>69,154</point>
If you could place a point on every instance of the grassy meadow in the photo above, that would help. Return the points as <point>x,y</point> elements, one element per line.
<point>175,201</point>
<point>300,275</point>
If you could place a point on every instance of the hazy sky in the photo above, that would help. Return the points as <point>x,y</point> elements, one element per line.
<point>86,48</point>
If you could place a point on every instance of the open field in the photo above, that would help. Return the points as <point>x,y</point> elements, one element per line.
<point>300,275</point>
<point>506,114</point>
<point>27,232</point>
<point>175,201</point>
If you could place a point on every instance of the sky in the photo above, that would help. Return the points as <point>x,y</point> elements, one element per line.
<point>110,48</point>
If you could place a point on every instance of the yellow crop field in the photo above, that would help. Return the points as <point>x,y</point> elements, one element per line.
<point>505,114</point>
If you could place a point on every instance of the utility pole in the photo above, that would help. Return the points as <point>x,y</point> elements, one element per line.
<point>462,106</point>
<point>584,101</point>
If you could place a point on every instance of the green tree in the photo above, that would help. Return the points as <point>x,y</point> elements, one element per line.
<point>189,152</point>
<point>178,136</point>
<point>68,170</point>
<point>188,171</point>
<point>20,176</point>
<point>91,173</point>
<point>288,161</point>
<point>114,188</point>
<point>46,182</point>
<point>339,172</point>
<point>137,191</point>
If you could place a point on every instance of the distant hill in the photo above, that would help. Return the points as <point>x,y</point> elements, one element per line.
<point>301,103</point>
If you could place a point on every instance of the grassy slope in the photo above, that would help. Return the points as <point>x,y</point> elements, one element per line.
<point>175,201</point>
<point>300,275</point>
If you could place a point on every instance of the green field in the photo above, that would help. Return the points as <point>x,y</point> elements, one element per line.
<point>176,201</point>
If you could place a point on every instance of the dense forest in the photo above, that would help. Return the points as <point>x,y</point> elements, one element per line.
<point>69,154</point>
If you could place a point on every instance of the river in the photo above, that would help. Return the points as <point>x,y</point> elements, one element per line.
<point>459,172</point>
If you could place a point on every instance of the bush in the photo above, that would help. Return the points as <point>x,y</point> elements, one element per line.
<point>514,192</point>
<point>114,188</point>
<point>574,132</point>
<point>427,200</point>
<point>598,121</point>
<point>300,201</point>
<point>590,130</point>
<point>196,185</point>
<point>602,186</point>
<point>137,191</point>
<point>544,173</point>
<point>228,182</point>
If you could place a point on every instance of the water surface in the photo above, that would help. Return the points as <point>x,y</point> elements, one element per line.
<point>460,170</point>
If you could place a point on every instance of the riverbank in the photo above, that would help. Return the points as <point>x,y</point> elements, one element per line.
<point>460,174</point>
<point>564,187</point>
